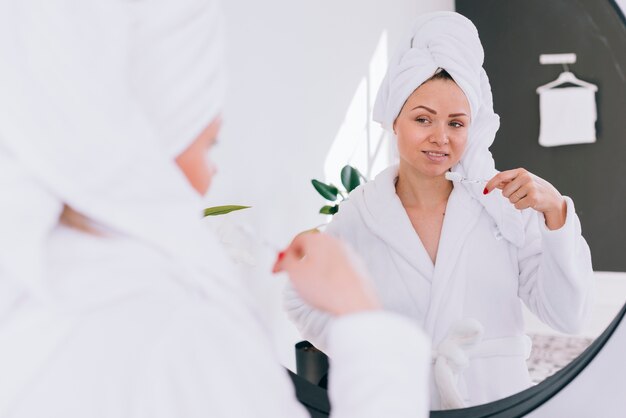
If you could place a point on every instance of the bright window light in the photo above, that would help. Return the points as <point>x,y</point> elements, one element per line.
<point>361,142</point>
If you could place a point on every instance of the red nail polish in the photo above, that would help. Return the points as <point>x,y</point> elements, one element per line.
<point>485,191</point>
<point>281,255</point>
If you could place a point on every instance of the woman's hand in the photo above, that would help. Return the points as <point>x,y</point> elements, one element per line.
<point>326,275</point>
<point>526,190</point>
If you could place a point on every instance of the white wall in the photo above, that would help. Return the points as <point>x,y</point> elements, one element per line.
<point>297,72</point>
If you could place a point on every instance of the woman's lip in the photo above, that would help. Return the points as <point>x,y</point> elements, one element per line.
<point>435,156</point>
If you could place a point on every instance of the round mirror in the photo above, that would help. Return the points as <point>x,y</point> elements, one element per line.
<point>514,35</point>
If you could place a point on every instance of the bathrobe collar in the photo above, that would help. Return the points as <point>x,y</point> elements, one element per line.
<point>383,213</point>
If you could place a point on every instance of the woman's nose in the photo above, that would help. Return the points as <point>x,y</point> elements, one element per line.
<point>439,135</point>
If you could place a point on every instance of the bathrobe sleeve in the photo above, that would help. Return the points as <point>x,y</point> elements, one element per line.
<point>556,275</point>
<point>312,323</point>
<point>216,363</point>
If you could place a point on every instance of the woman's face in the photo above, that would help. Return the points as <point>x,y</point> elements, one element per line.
<point>195,162</point>
<point>432,127</point>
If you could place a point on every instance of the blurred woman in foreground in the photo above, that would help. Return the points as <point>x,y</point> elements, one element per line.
<point>114,300</point>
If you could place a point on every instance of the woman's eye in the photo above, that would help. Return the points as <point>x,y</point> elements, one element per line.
<point>422,120</point>
<point>456,124</point>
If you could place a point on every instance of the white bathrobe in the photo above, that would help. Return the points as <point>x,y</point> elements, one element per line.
<point>477,275</point>
<point>135,340</point>
<point>147,318</point>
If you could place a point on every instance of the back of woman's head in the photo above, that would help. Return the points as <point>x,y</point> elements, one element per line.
<point>98,128</point>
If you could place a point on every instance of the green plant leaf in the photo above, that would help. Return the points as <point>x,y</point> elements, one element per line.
<point>329,210</point>
<point>350,178</point>
<point>328,191</point>
<point>223,210</point>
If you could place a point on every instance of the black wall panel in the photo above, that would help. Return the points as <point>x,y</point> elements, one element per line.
<point>514,33</point>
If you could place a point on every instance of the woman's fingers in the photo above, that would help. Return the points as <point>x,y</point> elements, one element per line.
<point>523,204</point>
<point>515,195</point>
<point>527,201</point>
<point>289,259</point>
<point>518,185</point>
<point>285,261</point>
<point>322,272</point>
<point>517,188</point>
<point>501,179</point>
<point>525,190</point>
<point>513,190</point>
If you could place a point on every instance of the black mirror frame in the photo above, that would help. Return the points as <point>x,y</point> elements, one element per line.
<point>619,11</point>
<point>315,399</point>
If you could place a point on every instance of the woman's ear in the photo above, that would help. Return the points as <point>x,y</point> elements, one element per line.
<point>394,127</point>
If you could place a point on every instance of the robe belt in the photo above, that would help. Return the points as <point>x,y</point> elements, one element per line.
<point>463,343</point>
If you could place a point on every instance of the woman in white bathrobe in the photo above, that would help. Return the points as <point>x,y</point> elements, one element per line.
<point>459,258</point>
<point>115,300</point>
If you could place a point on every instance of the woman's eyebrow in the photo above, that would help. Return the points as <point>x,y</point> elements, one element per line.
<point>455,115</point>
<point>424,107</point>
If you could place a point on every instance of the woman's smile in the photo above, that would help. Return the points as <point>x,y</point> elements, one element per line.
<point>436,156</point>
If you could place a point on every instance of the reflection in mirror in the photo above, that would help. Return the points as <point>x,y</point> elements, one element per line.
<point>511,62</point>
<point>457,257</point>
<point>552,349</point>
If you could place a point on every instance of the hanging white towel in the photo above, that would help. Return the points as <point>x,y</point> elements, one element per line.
<point>568,116</point>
